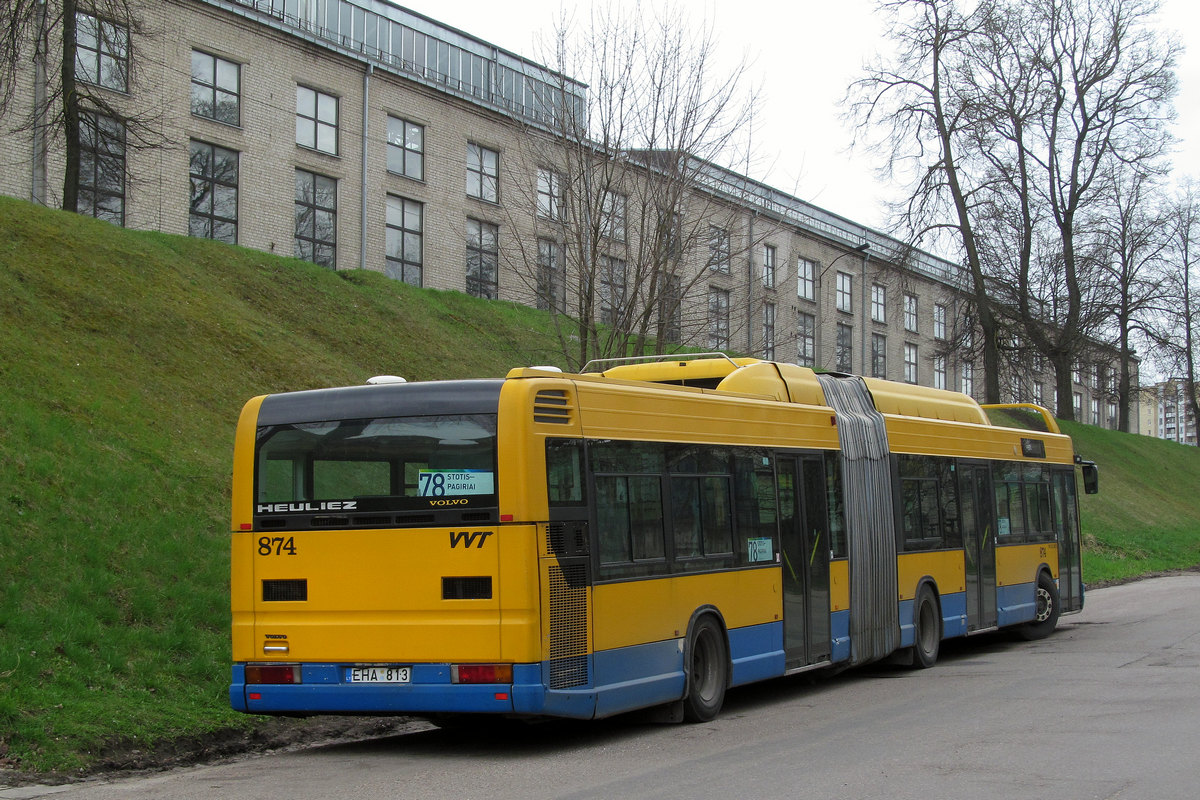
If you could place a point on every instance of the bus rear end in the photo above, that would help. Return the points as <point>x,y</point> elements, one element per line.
<point>368,554</point>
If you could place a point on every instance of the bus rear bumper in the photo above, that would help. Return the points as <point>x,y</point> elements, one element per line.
<point>324,690</point>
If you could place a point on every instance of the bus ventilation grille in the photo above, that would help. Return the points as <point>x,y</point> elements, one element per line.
<point>552,406</point>
<point>568,626</point>
<point>275,591</point>
<point>566,539</point>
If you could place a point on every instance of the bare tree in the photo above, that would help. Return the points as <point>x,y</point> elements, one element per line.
<point>626,194</point>
<point>79,53</point>
<point>1180,338</point>
<point>1137,236</point>
<point>1110,80</point>
<point>1040,104</point>
<point>927,114</point>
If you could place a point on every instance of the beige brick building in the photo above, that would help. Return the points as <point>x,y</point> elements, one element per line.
<point>357,134</point>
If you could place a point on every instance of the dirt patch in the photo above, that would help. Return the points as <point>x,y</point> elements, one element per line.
<point>270,735</point>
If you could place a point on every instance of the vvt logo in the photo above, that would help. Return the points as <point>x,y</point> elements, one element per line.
<point>469,539</point>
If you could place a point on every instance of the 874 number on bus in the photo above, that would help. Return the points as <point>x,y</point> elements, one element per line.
<point>276,545</point>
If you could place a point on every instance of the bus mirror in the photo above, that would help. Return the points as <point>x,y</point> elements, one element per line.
<point>1091,479</point>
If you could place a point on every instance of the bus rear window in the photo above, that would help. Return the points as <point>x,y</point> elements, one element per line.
<point>386,464</point>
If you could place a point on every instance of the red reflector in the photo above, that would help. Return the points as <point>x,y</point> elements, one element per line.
<point>247,526</point>
<point>272,673</point>
<point>506,517</point>
<point>481,673</point>
<point>255,696</point>
<point>501,695</point>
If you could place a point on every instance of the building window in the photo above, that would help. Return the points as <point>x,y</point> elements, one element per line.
<point>551,288</point>
<point>769,331</point>
<point>878,303</point>
<point>316,120</point>
<point>718,319</point>
<point>216,88</point>
<point>551,195</point>
<point>405,148</point>
<point>214,200</point>
<point>612,215</point>
<point>101,52</point>
<point>316,218</point>
<point>1037,393</point>
<point>101,167</point>
<point>1076,375</point>
<point>768,266</point>
<point>1077,405</point>
<point>878,355</point>
<point>806,340</point>
<point>483,259</point>
<point>718,249</point>
<point>612,289</point>
<point>1095,420</point>
<point>939,372</point>
<point>403,249</point>
<point>805,272</point>
<point>844,355</point>
<point>483,173</point>
<point>845,293</point>
<point>939,321</point>
<point>968,379</point>
<point>910,312</point>
<point>910,363</point>
<point>670,234</point>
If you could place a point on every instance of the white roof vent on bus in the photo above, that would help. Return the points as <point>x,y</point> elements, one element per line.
<point>546,368</point>
<point>380,379</point>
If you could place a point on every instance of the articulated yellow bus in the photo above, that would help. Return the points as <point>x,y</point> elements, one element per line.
<point>647,534</point>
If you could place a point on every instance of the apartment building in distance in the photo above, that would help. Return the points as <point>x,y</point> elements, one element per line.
<point>1166,413</point>
<point>359,135</point>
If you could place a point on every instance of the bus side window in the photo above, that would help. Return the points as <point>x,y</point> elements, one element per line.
<point>837,518</point>
<point>565,484</point>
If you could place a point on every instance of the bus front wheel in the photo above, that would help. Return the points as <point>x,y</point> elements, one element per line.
<point>927,629</point>
<point>707,671</point>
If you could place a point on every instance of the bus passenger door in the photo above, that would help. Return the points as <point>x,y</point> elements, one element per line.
<point>804,547</point>
<point>1070,579</point>
<point>979,543</point>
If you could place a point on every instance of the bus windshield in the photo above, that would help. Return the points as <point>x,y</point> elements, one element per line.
<point>382,464</point>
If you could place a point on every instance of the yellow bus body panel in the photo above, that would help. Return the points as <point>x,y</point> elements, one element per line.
<point>1019,563</point>
<point>839,585</point>
<point>636,612</point>
<point>388,606</point>
<point>945,567</point>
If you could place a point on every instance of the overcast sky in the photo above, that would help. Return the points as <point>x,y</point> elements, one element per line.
<point>804,54</point>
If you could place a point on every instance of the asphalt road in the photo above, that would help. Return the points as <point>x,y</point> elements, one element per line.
<point>1107,707</point>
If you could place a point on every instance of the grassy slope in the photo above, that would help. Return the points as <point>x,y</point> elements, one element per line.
<point>124,360</point>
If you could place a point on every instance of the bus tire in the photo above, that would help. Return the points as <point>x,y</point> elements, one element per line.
<point>707,671</point>
<point>1045,618</point>
<point>927,629</point>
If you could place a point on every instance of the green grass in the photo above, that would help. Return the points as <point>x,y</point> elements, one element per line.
<point>125,358</point>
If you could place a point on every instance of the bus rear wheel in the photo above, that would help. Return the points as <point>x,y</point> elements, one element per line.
<point>927,629</point>
<point>1045,618</point>
<point>707,671</point>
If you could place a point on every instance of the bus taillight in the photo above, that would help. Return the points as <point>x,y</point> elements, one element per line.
<point>481,673</point>
<point>272,673</point>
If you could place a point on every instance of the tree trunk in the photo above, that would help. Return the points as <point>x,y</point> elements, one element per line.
<point>70,100</point>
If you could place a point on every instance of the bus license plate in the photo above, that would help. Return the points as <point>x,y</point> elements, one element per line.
<point>378,674</point>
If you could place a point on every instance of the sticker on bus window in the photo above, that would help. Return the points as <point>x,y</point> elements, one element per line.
<point>439,483</point>
<point>1003,526</point>
<point>760,549</point>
